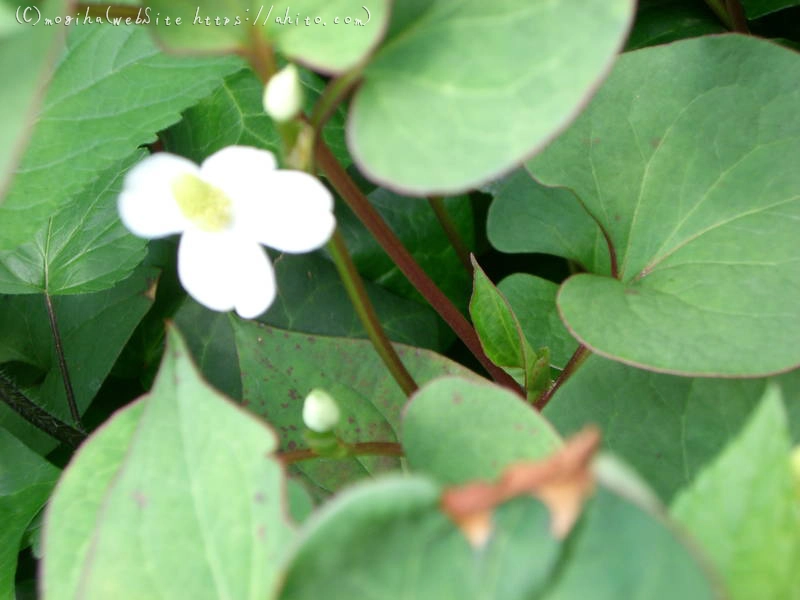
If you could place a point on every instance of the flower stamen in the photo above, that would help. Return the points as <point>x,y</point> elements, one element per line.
<point>205,205</point>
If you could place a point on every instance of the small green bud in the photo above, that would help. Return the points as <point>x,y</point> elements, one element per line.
<point>320,411</point>
<point>283,96</point>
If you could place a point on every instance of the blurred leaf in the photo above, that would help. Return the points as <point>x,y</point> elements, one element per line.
<point>526,216</point>
<point>94,328</point>
<point>458,430</point>
<point>82,248</point>
<point>758,8</point>
<point>221,33</point>
<point>234,114</point>
<point>395,540</point>
<point>301,504</point>
<point>743,508</point>
<point>667,427</point>
<point>187,476</point>
<point>665,21</point>
<point>25,483</point>
<point>209,337</point>
<point>503,339</point>
<point>415,223</point>
<point>324,45</point>
<point>471,88</point>
<point>27,52</point>
<point>533,300</point>
<point>418,549</point>
<point>312,299</point>
<point>704,219</point>
<point>330,47</point>
<point>111,92</point>
<point>619,551</point>
<point>279,369</point>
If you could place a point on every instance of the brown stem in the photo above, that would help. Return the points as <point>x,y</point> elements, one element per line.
<point>362,449</point>
<point>384,235</point>
<point>440,210</point>
<point>62,363</point>
<point>612,250</point>
<point>580,355</point>
<point>37,416</point>
<point>366,313</point>
<point>334,93</point>
<point>261,57</point>
<point>738,18</point>
<point>731,13</point>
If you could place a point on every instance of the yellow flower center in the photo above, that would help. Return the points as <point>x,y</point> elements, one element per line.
<point>203,204</point>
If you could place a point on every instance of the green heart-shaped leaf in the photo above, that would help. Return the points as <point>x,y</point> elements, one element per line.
<point>179,495</point>
<point>703,221</point>
<point>470,88</point>
<point>458,430</point>
<point>526,216</point>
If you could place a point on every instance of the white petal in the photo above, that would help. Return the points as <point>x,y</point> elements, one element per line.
<point>146,204</point>
<point>296,214</point>
<point>223,271</point>
<point>207,268</point>
<point>237,170</point>
<point>256,291</point>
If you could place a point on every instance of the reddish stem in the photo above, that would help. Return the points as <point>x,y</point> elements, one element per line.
<point>384,235</point>
<point>362,449</point>
<point>581,354</point>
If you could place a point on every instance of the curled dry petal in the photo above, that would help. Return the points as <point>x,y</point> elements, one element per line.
<point>562,482</point>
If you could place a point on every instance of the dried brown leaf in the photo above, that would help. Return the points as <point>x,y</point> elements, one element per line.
<point>562,482</point>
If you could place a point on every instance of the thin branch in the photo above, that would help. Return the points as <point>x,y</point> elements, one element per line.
<point>384,235</point>
<point>730,13</point>
<point>440,210</point>
<point>580,355</point>
<point>334,94</point>
<point>261,57</point>
<point>366,313</point>
<point>612,250</point>
<point>738,18</point>
<point>37,416</point>
<point>363,449</point>
<point>62,363</point>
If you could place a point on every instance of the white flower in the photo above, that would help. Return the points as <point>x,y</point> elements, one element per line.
<point>283,95</point>
<point>320,411</point>
<point>226,208</point>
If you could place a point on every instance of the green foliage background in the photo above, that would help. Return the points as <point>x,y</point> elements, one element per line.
<point>626,180</point>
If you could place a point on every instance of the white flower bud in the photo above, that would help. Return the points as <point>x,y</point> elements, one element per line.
<point>283,96</point>
<point>320,411</point>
